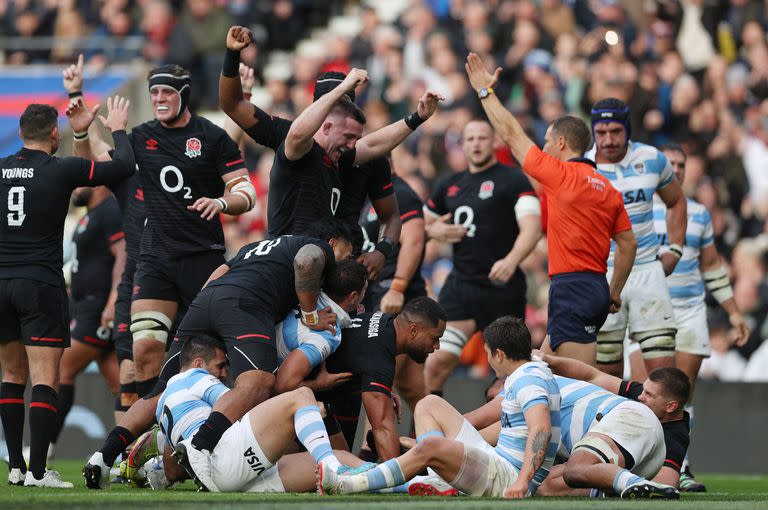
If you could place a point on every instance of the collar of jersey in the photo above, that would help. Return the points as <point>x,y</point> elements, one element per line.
<point>342,317</point>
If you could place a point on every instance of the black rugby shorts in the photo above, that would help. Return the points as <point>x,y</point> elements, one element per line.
<point>35,312</point>
<point>464,299</point>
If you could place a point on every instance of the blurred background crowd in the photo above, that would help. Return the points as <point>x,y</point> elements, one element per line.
<point>693,72</point>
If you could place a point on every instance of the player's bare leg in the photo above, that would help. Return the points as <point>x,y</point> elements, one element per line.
<point>554,484</point>
<point>127,376</point>
<point>637,366</point>
<point>441,363</point>
<point>251,389</point>
<point>151,321</point>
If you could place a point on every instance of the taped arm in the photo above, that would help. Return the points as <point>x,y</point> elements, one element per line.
<point>308,266</point>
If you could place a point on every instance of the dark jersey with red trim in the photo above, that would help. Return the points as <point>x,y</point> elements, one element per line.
<point>34,200</point>
<point>264,272</point>
<point>372,181</point>
<point>677,434</point>
<point>92,259</point>
<point>369,351</point>
<point>176,167</point>
<point>485,204</point>
<point>130,198</point>
<point>411,208</point>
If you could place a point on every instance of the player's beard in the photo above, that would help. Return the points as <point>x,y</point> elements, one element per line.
<point>417,355</point>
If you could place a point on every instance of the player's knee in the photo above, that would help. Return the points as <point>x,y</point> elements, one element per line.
<point>426,448</point>
<point>427,406</point>
<point>303,395</point>
<point>610,347</point>
<point>575,475</point>
<point>150,326</point>
<point>452,341</point>
<point>655,344</point>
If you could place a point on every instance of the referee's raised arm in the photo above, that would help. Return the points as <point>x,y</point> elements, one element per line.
<point>505,124</point>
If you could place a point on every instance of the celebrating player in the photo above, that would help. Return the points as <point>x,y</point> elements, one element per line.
<point>638,171</point>
<point>35,317</point>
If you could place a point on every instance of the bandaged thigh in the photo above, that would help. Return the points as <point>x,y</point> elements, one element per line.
<point>659,343</point>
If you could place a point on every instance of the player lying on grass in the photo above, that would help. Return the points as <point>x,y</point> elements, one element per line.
<point>252,444</point>
<point>447,443</point>
<point>664,392</point>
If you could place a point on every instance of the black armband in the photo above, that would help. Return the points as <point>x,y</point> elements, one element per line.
<point>77,93</point>
<point>414,120</point>
<point>386,247</point>
<point>231,68</point>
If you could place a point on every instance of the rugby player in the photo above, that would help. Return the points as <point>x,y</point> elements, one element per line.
<point>448,444</point>
<point>97,264</point>
<point>260,285</point>
<point>34,314</point>
<point>492,217</point>
<point>584,214</point>
<point>638,171</point>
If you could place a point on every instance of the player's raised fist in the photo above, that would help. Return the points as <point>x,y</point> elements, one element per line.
<point>428,104</point>
<point>238,38</point>
<point>117,113</point>
<point>354,79</point>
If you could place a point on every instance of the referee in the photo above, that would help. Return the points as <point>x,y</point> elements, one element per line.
<point>585,213</point>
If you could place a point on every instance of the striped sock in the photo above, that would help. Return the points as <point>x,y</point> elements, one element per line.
<point>311,432</point>
<point>387,474</point>
<point>422,437</point>
<point>624,479</point>
<point>12,418</point>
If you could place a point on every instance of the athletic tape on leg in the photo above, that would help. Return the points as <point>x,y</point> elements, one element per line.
<point>598,447</point>
<point>453,340</point>
<point>657,344</point>
<point>150,326</point>
<point>610,347</point>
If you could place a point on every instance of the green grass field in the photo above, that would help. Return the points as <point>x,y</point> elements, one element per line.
<point>731,492</point>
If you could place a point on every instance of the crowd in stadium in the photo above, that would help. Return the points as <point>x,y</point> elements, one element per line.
<point>686,81</point>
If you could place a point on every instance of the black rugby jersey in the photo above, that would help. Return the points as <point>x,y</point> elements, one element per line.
<point>34,200</point>
<point>368,350</point>
<point>371,180</point>
<point>92,260</point>
<point>176,167</point>
<point>264,272</point>
<point>677,433</point>
<point>485,204</point>
<point>410,207</point>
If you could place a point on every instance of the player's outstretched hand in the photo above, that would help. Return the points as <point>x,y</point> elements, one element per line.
<point>117,113</point>
<point>327,321</point>
<point>502,271</point>
<point>373,262</point>
<point>740,327</point>
<point>326,380</point>
<point>392,302</point>
<point>238,38</point>
<point>73,76</point>
<point>80,117</point>
<point>517,490</point>
<point>479,77</point>
<point>247,81</point>
<point>443,230</point>
<point>428,104</point>
<point>207,207</point>
<point>354,79</point>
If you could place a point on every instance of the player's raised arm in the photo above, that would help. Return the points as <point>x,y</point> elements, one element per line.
<point>300,136</point>
<point>505,124</point>
<point>232,101</point>
<point>382,141</point>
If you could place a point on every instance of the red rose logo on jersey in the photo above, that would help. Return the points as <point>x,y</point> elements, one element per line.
<point>194,148</point>
<point>486,190</point>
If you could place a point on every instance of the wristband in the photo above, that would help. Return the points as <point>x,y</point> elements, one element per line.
<point>231,68</point>
<point>80,136</point>
<point>399,284</point>
<point>76,93</point>
<point>676,250</point>
<point>386,247</point>
<point>413,121</point>
<point>223,203</point>
<point>310,318</point>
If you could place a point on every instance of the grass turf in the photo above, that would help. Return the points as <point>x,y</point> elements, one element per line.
<point>725,491</point>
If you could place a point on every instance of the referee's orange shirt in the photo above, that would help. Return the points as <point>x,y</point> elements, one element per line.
<point>584,212</point>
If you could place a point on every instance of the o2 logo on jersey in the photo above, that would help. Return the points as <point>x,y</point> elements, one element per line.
<point>194,147</point>
<point>486,190</point>
<point>465,216</point>
<point>173,188</point>
<point>253,460</point>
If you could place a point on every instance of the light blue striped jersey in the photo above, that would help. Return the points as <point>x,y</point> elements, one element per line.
<point>292,334</point>
<point>643,170</point>
<point>529,385</point>
<point>186,403</point>
<point>581,403</point>
<point>686,285</point>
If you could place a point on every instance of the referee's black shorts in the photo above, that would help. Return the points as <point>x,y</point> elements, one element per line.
<point>578,307</point>
<point>465,299</point>
<point>35,312</point>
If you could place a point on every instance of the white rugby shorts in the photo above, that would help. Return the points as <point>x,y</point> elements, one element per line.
<point>692,330</point>
<point>238,460</point>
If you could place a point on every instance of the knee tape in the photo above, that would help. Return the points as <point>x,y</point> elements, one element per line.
<point>150,326</point>
<point>610,347</point>
<point>598,447</point>
<point>657,344</point>
<point>126,396</point>
<point>453,341</point>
